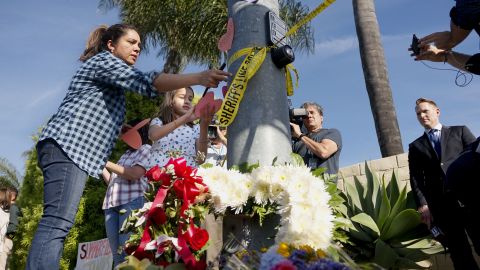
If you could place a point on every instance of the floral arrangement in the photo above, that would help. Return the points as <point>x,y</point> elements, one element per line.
<point>165,230</point>
<point>298,196</point>
<point>285,257</point>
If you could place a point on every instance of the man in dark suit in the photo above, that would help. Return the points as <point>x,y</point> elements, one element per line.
<point>429,156</point>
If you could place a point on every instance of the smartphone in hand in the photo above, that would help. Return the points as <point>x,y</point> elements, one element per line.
<point>414,46</point>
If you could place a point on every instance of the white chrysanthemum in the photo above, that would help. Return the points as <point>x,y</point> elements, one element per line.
<point>302,199</point>
<point>307,219</point>
<point>229,188</point>
<point>261,180</point>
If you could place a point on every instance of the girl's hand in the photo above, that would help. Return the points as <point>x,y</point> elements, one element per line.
<point>207,113</point>
<point>190,115</point>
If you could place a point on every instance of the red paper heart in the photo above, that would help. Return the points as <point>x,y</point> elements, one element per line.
<point>224,90</point>
<point>132,137</point>
<point>225,41</point>
<point>207,100</point>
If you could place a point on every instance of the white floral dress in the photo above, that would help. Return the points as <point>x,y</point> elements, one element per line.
<point>180,141</point>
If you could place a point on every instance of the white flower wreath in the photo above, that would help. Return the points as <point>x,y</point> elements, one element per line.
<point>302,199</point>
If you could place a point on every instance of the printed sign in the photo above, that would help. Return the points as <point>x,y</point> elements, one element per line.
<point>94,255</point>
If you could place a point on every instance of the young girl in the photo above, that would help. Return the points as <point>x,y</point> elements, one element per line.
<point>173,132</point>
<point>78,139</point>
<point>125,189</point>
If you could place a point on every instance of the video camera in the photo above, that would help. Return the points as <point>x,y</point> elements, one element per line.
<point>212,132</point>
<point>297,115</point>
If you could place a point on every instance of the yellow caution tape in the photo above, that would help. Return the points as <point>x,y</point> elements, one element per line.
<point>256,62</point>
<point>250,66</point>
<point>310,16</point>
<point>288,76</point>
<point>235,92</point>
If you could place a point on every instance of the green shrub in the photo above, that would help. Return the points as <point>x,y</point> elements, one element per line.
<point>386,230</point>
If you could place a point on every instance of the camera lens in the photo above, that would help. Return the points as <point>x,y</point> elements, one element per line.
<point>212,132</point>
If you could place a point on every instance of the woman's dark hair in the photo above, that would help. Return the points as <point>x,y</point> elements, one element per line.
<point>4,199</point>
<point>98,38</point>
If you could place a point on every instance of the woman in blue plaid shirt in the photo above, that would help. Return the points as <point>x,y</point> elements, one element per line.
<point>78,139</point>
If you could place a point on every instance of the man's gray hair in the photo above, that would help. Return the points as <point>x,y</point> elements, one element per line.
<point>315,105</point>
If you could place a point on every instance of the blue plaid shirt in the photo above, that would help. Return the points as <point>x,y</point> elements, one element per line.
<point>88,121</point>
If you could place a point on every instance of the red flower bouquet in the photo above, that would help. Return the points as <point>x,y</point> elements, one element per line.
<point>166,230</point>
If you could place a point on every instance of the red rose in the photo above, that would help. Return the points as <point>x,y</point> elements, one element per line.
<point>157,215</point>
<point>154,173</point>
<point>157,174</point>
<point>198,238</point>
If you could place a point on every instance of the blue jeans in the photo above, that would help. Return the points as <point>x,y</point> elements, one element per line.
<point>63,186</point>
<point>113,223</point>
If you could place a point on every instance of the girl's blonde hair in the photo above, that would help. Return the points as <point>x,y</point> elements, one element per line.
<point>166,107</point>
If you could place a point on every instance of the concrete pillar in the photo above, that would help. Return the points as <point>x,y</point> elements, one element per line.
<point>261,130</point>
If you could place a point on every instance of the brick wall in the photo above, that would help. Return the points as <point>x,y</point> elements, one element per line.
<point>383,167</point>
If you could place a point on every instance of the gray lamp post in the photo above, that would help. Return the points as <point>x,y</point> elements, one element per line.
<point>261,130</point>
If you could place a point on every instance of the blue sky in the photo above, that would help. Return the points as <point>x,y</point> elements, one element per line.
<point>41,42</point>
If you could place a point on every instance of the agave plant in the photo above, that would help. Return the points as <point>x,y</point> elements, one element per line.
<point>386,229</point>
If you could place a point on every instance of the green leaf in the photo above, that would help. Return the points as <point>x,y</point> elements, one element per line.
<point>366,221</point>
<point>402,223</point>
<point>353,199</point>
<point>413,254</point>
<point>406,263</point>
<point>411,201</point>
<point>384,209</point>
<point>206,165</point>
<point>401,203</point>
<point>359,234</point>
<point>371,191</point>
<point>385,255</point>
<point>318,172</point>
<point>399,206</point>
<point>274,161</point>
<point>297,160</point>
<point>393,189</point>
<point>361,194</point>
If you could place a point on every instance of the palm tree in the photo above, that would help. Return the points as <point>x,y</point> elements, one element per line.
<point>9,176</point>
<point>188,31</point>
<point>376,78</point>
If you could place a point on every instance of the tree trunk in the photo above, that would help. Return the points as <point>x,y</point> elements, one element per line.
<point>174,62</point>
<point>261,130</point>
<point>376,78</point>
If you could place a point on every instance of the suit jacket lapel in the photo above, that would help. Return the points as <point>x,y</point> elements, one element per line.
<point>427,146</point>
<point>444,139</point>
